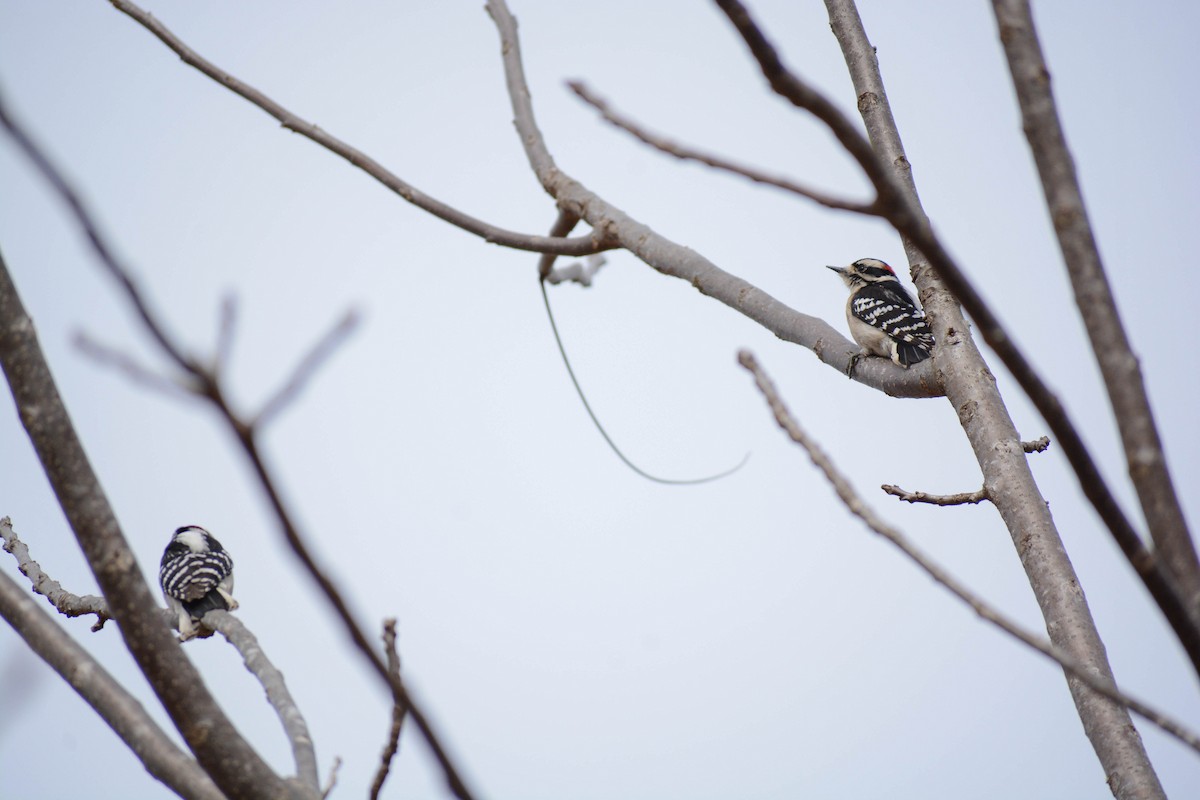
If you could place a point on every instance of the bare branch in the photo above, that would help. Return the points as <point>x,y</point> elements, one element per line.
<point>686,153</point>
<point>960,499</point>
<point>272,681</point>
<point>119,709</point>
<point>225,330</point>
<point>333,776</point>
<point>1144,455</point>
<point>580,246</point>
<point>398,711</point>
<point>226,624</point>
<point>845,491</point>
<point>132,369</point>
<point>1037,445</point>
<point>68,604</point>
<point>564,223</point>
<point>677,261</point>
<point>308,367</point>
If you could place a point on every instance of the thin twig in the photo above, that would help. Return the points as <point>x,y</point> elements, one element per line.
<point>226,327</point>
<point>579,246</point>
<point>307,368</point>
<point>960,499</point>
<point>845,491</point>
<point>108,356</point>
<point>686,153</point>
<point>68,604</point>
<point>1037,445</point>
<point>398,711</point>
<point>333,776</point>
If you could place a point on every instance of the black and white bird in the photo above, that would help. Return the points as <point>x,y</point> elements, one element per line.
<point>883,318</point>
<point>196,575</point>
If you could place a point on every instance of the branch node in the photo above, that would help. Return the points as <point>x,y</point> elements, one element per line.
<point>1037,445</point>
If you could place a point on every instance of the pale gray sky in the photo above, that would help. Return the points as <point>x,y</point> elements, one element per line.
<point>573,630</point>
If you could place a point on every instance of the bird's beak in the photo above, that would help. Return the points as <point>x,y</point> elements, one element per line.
<point>838,270</point>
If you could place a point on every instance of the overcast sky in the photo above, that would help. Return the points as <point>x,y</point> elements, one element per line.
<point>572,629</point>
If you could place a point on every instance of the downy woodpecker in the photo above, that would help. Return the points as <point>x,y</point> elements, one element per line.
<point>196,574</point>
<point>883,318</point>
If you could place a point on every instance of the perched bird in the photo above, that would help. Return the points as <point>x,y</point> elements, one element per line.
<point>883,318</point>
<point>196,575</point>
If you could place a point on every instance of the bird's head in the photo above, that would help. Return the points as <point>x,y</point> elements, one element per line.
<point>864,271</point>
<point>195,539</point>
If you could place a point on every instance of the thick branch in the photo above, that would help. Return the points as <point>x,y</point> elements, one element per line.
<point>1144,455</point>
<point>845,491</point>
<point>119,709</point>
<point>681,262</point>
<point>579,246</point>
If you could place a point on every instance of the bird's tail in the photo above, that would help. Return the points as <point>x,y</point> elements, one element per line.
<point>213,601</point>
<point>910,353</point>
